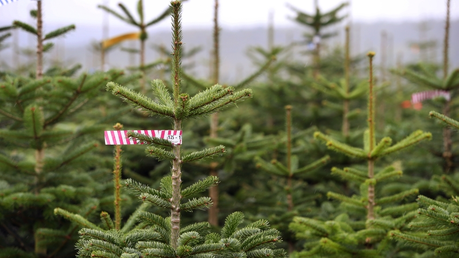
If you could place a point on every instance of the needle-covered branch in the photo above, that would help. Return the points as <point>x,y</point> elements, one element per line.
<point>140,101</point>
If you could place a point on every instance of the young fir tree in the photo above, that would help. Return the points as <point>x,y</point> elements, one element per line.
<point>141,25</point>
<point>214,120</point>
<point>361,230</point>
<point>296,200</point>
<point>317,22</point>
<point>426,76</point>
<point>435,228</point>
<point>156,236</point>
<point>41,38</point>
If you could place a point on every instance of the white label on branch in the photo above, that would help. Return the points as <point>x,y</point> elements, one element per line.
<point>121,138</point>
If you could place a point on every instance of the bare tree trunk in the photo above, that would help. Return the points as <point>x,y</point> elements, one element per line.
<point>213,191</point>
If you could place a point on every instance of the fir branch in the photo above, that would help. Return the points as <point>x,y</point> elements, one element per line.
<point>187,238</point>
<point>380,147</point>
<point>451,81</point>
<point>413,139</point>
<point>318,227</point>
<point>62,111</point>
<point>156,200</point>
<point>163,15</point>
<point>231,223</point>
<point>138,189</point>
<point>425,201</point>
<point>200,227</point>
<point>115,13</point>
<point>345,199</point>
<point>269,167</point>
<point>34,121</point>
<point>391,175</point>
<point>159,223</point>
<point>397,197</point>
<point>418,78</point>
<point>166,186</point>
<point>397,235</point>
<point>348,176</point>
<point>200,186</point>
<point>311,167</point>
<point>398,210</point>
<point>134,217</point>
<point>78,152</point>
<point>204,154</point>
<point>260,240</point>
<point>162,93</point>
<point>106,220</point>
<point>200,203</point>
<point>139,100</point>
<point>220,104</point>
<point>25,26</point>
<point>257,73</point>
<point>9,115</point>
<point>76,218</point>
<point>128,15</point>
<point>444,119</point>
<point>137,235</point>
<point>48,46</point>
<point>150,140</point>
<point>59,32</point>
<point>159,153</point>
<point>33,85</point>
<point>340,147</point>
<point>209,96</point>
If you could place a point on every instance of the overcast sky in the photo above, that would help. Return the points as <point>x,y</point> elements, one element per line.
<point>233,13</point>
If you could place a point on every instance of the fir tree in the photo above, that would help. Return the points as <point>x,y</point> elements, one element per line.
<point>317,22</point>
<point>435,227</point>
<point>426,76</point>
<point>166,237</point>
<point>361,230</point>
<point>290,172</point>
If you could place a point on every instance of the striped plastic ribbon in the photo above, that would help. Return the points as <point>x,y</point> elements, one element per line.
<point>120,137</point>
<point>4,2</point>
<point>420,96</point>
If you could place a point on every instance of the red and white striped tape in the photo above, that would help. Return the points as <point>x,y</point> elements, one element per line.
<point>420,96</point>
<point>121,138</point>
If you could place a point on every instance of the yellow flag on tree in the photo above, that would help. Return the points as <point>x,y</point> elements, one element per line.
<point>115,40</point>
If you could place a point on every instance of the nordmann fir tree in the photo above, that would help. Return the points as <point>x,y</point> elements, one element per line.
<point>214,120</point>
<point>317,22</point>
<point>290,172</point>
<point>43,153</point>
<point>166,237</point>
<point>43,158</point>
<point>361,230</point>
<point>435,228</point>
<point>427,77</point>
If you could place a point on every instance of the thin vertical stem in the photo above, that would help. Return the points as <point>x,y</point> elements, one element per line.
<point>39,153</point>
<point>117,178</point>
<point>345,126</point>
<point>176,163</point>
<point>105,27</point>
<point>288,111</point>
<point>447,142</point>
<point>371,128</point>
<point>39,70</point>
<point>143,38</point>
<point>271,30</point>
<point>446,41</point>
<point>213,191</point>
